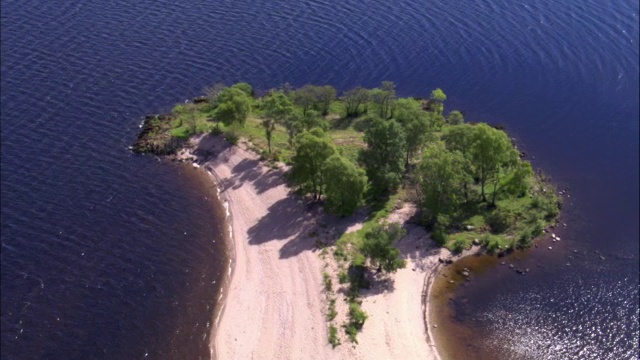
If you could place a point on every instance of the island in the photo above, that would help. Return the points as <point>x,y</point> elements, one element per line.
<point>343,209</point>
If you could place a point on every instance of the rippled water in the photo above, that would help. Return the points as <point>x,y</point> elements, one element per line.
<point>95,259</point>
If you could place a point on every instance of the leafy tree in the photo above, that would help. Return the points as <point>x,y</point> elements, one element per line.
<point>378,247</point>
<point>232,106</point>
<point>325,96</point>
<point>438,97</point>
<point>313,149</point>
<point>384,97</point>
<point>245,87</point>
<point>514,177</point>
<point>441,176</point>
<point>294,124</point>
<point>354,98</point>
<point>460,138</point>
<point>455,118</point>
<point>417,124</point>
<point>276,109</point>
<point>490,152</point>
<point>384,155</point>
<point>344,185</point>
<point>305,97</point>
<point>313,119</point>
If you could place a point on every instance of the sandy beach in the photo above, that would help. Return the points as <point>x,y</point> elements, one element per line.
<point>275,306</point>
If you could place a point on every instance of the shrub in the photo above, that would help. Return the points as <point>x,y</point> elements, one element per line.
<point>524,240</point>
<point>500,220</point>
<point>332,310</point>
<point>333,336</point>
<point>343,278</point>
<point>232,137</point>
<point>216,130</point>
<point>357,315</point>
<point>328,284</point>
<point>352,332</point>
<point>459,244</point>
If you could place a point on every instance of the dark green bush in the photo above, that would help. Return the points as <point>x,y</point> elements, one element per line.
<point>500,220</point>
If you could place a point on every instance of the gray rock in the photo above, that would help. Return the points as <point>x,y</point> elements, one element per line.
<point>465,273</point>
<point>476,241</point>
<point>469,227</point>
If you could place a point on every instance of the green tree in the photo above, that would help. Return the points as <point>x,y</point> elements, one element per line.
<point>438,97</point>
<point>455,118</point>
<point>353,99</point>
<point>383,97</point>
<point>245,87</point>
<point>417,124</point>
<point>305,97</point>
<point>294,124</point>
<point>460,138</point>
<point>344,185</point>
<point>490,152</point>
<point>378,246</point>
<point>384,155</point>
<point>232,106</point>
<point>313,149</point>
<point>276,109</point>
<point>441,177</point>
<point>325,96</point>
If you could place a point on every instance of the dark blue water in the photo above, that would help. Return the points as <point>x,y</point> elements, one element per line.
<point>77,76</point>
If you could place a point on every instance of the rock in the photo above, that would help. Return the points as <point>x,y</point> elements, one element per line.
<point>564,224</point>
<point>435,326</point>
<point>465,273</point>
<point>558,238</point>
<point>450,281</point>
<point>554,240</point>
<point>550,248</point>
<point>601,257</point>
<point>200,99</point>
<point>469,227</point>
<point>553,235</point>
<point>511,266</point>
<point>519,271</point>
<point>575,251</point>
<point>502,263</point>
<point>526,270</point>
<point>476,241</point>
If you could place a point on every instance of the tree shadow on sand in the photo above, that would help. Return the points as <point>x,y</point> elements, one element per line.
<point>286,220</point>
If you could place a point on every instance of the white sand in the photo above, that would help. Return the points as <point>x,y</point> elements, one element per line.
<point>275,306</point>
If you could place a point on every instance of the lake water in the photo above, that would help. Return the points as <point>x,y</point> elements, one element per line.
<point>106,254</point>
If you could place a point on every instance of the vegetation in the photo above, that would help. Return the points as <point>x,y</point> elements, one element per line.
<point>369,148</point>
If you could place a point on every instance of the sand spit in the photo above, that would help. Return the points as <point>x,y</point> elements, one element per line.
<point>274,306</point>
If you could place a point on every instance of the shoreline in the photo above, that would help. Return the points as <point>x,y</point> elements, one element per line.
<point>236,325</point>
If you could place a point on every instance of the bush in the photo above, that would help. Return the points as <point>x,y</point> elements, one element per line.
<point>459,245</point>
<point>333,336</point>
<point>332,310</point>
<point>216,130</point>
<point>232,137</point>
<point>343,278</point>
<point>328,284</point>
<point>352,332</point>
<point>524,240</point>
<point>439,236</point>
<point>500,220</point>
<point>356,315</point>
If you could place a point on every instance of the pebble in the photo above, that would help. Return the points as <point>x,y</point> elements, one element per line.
<point>601,257</point>
<point>435,326</point>
<point>558,238</point>
<point>575,251</point>
<point>550,248</point>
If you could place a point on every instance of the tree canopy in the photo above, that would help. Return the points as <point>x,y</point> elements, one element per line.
<point>277,108</point>
<point>378,247</point>
<point>232,106</point>
<point>313,149</point>
<point>344,185</point>
<point>383,157</point>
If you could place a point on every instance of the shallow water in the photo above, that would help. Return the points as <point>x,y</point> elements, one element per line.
<point>78,76</point>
